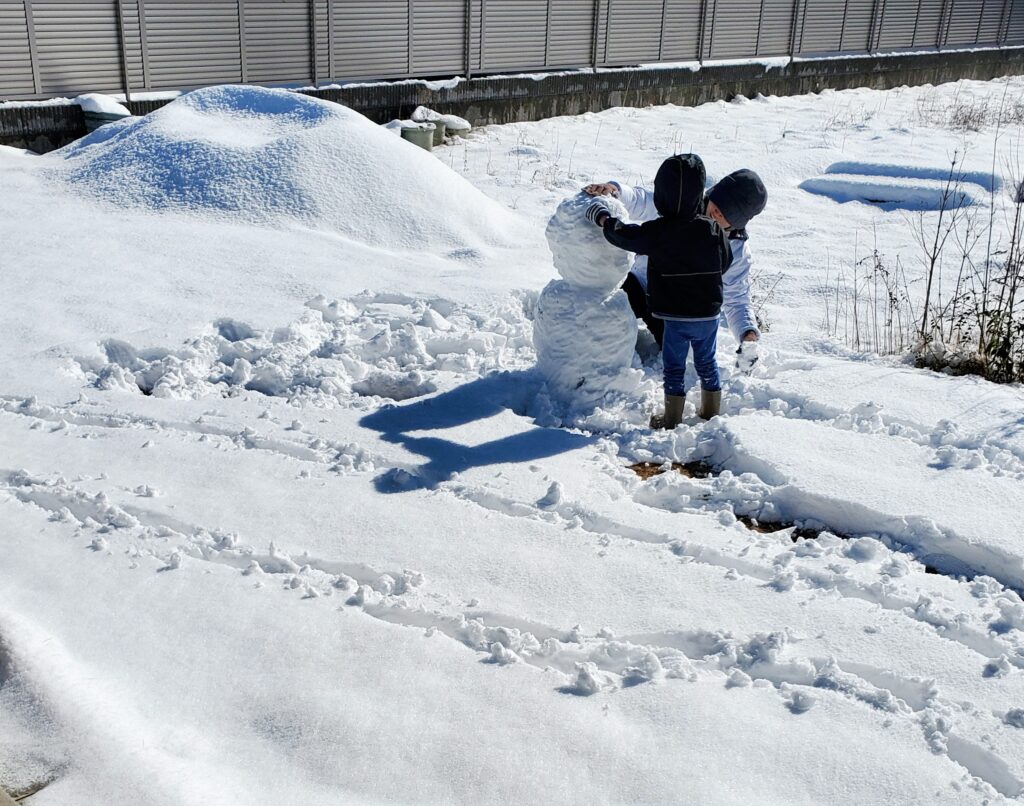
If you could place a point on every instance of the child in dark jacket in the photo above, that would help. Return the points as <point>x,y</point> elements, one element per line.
<point>687,254</point>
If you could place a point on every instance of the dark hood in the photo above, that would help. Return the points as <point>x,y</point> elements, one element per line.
<point>679,186</point>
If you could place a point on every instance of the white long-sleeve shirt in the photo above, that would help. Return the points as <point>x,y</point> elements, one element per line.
<point>739,313</point>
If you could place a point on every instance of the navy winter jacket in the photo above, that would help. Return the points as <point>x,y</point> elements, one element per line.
<point>687,254</point>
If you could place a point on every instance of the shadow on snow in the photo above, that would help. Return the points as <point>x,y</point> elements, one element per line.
<point>477,400</point>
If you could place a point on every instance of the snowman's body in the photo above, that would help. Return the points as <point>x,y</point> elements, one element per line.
<point>584,330</point>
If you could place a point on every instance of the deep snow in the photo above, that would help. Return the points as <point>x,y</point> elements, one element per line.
<point>288,513</point>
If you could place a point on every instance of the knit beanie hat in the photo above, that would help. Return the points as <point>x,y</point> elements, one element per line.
<point>740,196</point>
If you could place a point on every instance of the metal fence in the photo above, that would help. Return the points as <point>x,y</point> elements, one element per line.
<point>65,47</point>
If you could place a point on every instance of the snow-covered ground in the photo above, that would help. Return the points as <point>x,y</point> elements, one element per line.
<point>287,514</point>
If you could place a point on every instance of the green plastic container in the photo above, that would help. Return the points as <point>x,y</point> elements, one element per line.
<point>422,135</point>
<point>439,131</point>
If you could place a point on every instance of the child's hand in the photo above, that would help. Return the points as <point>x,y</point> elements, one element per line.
<point>601,189</point>
<point>598,212</point>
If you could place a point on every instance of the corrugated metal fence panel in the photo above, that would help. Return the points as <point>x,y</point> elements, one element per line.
<point>192,42</point>
<point>776,27</point>
<point>734,29</point>
<point>857,26</point>
<point>821,26</point>
<point>571,33</point>
<point>926,30</point>
<point>963,24</point>
<point>1015,28</point>
<point>991,20</point>
<point>78,45</point>
<point>371,38</point>
<point>133,44</point>
<point>682,31</point>
<point>897,22</point>
<point>277,40</point>
<point>186,43</point>
<point>514,32</point>
<point>15,57</point>
<point>634,31</point>
<point>439,36</point>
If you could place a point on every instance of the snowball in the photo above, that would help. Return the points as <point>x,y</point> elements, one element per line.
<point>581,254</point>
<point>584,340</point>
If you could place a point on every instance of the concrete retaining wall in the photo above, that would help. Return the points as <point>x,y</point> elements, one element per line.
<point>505,100</point>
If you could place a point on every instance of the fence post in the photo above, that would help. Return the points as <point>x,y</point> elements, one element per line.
<point>944,15</point>
<point>702,36</point>
<point>607,30</point>
<point>33,52</point>
<point>469,39</point>
<point>144,45</point>
<point>242,44</point>
<point>123,47</point>
<point>411,33</point>
<point>547,35</point>
<point>483,33</point>
<point>314,44</point>
<point>793,48</point>
<point>661,37</point>
<point>597,28</point>
<point>330,41</point>
<point>1004,24</point>
<point>875,29</point>
<point>760,23</point>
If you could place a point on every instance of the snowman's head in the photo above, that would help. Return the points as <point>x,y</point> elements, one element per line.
<point>679,186</point>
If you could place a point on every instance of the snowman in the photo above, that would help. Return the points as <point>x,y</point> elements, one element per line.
<point>584,330</point>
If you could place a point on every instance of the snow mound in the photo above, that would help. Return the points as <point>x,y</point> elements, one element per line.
<point>275,157</point>
<point>584,341</point>
<point>581,254</point>
<point>895,192</point>
<point>983,178</point>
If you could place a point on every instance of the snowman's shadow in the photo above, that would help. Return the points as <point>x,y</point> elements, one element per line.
<point>477,400</point>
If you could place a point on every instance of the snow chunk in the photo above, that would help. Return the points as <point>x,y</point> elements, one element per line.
<point>552,498</point>
<point>101,104</point>
<point>797,700</point>
<point>1015,718</point>
<point>451,122</point>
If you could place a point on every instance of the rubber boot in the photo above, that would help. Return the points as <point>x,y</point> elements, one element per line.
<point>710,403</point>
<point>673,413</point>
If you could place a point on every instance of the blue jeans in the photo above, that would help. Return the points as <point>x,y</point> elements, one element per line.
<point>679,337</point>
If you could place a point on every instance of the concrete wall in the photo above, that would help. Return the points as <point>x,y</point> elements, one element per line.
<point>506,100</point>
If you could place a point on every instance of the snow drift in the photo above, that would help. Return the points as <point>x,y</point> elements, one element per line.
<point>276,157</point>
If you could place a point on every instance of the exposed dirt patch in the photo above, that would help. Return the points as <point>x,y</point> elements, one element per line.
<point>770,527</point>
<point>693,470</point>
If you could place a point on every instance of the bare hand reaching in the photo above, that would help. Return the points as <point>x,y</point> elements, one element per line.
<point>601,189</point>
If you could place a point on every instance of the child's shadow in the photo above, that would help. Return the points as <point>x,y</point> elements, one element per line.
<point>476,400</point>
